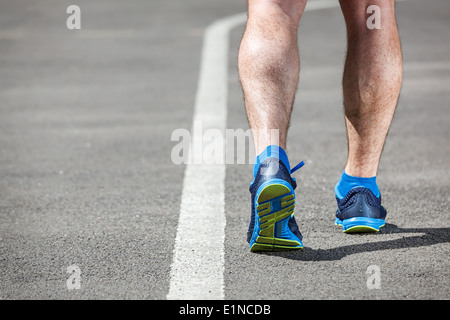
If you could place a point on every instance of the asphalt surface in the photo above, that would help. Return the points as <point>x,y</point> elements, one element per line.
<point>86,118</point>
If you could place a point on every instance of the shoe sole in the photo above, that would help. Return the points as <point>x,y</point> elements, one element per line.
<point>275,204</point>
<point>360,224</point>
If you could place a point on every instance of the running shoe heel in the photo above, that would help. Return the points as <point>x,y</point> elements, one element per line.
<point>360,211</point>
<point>362,224</point>
<point>275,204</point>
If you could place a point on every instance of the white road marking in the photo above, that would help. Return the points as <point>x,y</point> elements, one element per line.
<point>198,262</point>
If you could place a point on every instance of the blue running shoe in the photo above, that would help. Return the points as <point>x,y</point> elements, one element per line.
<point>272,225</point>
<point>360,211</point>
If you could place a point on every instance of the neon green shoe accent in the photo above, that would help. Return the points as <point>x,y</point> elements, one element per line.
<point>273,191</point>
<point>286,201</point>
<point>264,208</point>
<point>277,241</point>
<point>362,229</point>
<point>256,247</point>
<point>266,240</point>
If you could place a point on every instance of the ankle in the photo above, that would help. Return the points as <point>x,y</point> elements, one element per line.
<point>272,151</point>
<point>348,182</point>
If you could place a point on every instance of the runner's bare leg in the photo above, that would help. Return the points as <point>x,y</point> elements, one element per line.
<point>371,83</point>
<point>269,67</point>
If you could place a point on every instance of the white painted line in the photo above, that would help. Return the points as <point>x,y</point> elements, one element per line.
<point>198,262</point>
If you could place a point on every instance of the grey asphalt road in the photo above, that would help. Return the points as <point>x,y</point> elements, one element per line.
<point>86,118</point>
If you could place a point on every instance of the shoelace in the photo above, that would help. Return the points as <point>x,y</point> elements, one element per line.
<point>301,164</point>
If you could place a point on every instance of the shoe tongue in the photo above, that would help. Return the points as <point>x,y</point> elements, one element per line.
<point>272,151</point>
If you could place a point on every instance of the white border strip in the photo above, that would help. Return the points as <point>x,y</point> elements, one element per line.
<point>198,262</point>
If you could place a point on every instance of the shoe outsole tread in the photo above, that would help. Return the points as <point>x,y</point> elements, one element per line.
<point>269,214</point>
